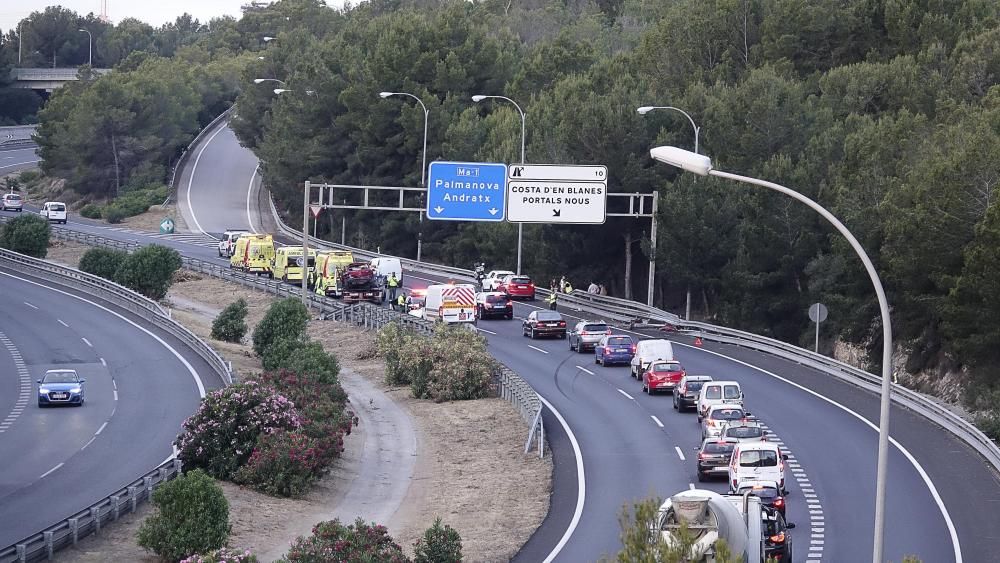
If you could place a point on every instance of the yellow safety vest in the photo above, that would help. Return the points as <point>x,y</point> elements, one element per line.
<point>393,282</point>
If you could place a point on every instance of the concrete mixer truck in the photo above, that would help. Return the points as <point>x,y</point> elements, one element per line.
<point>710,517</point>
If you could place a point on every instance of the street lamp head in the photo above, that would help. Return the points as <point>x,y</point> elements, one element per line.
<point>260,58</point>
<point>268,38</point>
<point>384,95</point>
<point>281,90</point>
<point>645,109</point>
<point>310,92</point>
<point>259,80</point>
<point>479,98</point>
<point>83,30</point>
<point>685,160</point>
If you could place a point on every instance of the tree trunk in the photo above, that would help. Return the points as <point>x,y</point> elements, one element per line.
<point>628,265</point>
<point>704,301</point>
<point>114,152</point>
<point>687,305</point>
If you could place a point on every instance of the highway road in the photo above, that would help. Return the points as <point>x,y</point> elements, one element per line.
<point>141,385</point>
<point>826,425</point>
<point>17,159</point>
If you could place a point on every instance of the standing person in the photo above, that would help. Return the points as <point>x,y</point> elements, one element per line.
<point>401,302</point>
<point>553,285</point>
<point>552,300</point>
<point>562,284</point>
<point>393,284</point>
<point>593,288</point>
<point>604,290</point>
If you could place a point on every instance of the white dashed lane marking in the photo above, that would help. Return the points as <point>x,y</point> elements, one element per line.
<point>538,349</point>
<point>626,394</point>
<point>24,383</point>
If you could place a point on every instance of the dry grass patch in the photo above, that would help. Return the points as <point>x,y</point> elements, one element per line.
<point>150,220</point>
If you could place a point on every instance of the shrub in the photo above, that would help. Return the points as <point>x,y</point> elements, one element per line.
<point>284,319</point>
<point>284,464</point>
<point>102,262</point>
<point>391,339</point>
<point>91,211</point>
<point>149,270</point>
<point>192,517</point>
<point>312,359</point>
<point>357,543</point>
<point>224,555</point>
<point>222,434</point>
<point>28,234</point>
<point>989,424</point>
<point>231,325</point>
<point>278,352</point>
<point>113,214</point>
<point>453,365</point>
<point>440,544</point>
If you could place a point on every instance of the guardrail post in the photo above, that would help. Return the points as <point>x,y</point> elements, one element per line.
<point>95,515</point>
<point>48,543</point>
<point>114,507</point>
<point>132,493</point>
<point>74,528</point>
<point>147,485</point>
<point>22,550</point>
<point>178,464</point>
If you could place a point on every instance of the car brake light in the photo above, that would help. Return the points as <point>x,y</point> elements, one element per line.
<point>702,456</point>
<point>633,348</point>
<point>562,323</point>
<point>607,351</point>
<point>510,304</point>
<point>584,333</point>
<point>778,538</point>
<point>779,502</point>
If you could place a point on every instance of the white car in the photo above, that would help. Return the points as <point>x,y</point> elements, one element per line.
<point>228,242</point>
<point>648,351</point>
<point>719,393</point>
<point>757,461</point>
<point>54,211</point>
<point>13,202</point>
<point>494,278</point>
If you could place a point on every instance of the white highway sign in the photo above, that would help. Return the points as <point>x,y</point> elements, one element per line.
<point>551,201</point>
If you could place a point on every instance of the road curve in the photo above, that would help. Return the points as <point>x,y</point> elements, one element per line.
<point>57,461</point>
<point>627,455</point>
<point>18,159</point>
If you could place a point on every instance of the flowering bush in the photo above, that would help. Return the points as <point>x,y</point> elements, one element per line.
<point>453,365</point>
<point>221,436</point>
<point>359,542</point>
<point>224,555</point>
<point>286,463</point>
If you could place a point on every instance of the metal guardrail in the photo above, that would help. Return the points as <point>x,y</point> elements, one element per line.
<point>182,160</point>
<point>89,521</point>
<point>628,314</point>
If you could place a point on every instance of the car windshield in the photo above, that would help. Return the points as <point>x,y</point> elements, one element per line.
<point>759,458</point>
<point>619,341</point>
<point>727,414</point>
<point>666,366</point>
<point>14,197</point>
<point>744,432</point>
<point>59,377</point>
<point>713,392</point>
<point>694,385</point>
<point>717,448</point>
<point>766,493</point>
<point>522,280</point>
<point>595,328</point>
<point>496,299</point>
<point>548,316</point>
<point>57,207</point>
<point>732,392</point>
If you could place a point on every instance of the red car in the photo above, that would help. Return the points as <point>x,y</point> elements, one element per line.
<point>662,376</point>
<point>518,286</point>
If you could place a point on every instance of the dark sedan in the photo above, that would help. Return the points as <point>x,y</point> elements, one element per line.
<point>714,456</point>
<point>777,538</point>
<point>544,323</point>
<point>61,387</point>
<point>767,492</point>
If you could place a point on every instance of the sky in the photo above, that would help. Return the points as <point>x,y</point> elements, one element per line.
<point>153,12</point>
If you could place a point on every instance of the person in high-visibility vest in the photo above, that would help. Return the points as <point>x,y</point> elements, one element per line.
<point>393,284</point>
<point>552,300</point>
<point>401,302</point>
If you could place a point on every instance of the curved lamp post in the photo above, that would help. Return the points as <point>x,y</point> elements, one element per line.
<point>646,109</point>
<point>520,226</point>
<point>423,165</point>
<point>90,47</point>
<point>702,165</point>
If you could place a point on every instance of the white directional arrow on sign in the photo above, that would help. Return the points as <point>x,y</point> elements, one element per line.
<point>493,211</point>
<point>439,209</point>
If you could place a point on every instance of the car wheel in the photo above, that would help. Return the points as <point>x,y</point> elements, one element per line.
<point>532,334</point>
<point>563,335</point>
<point>676,408</point>
<point>702,477</point>
<point>41,405</point>
<point>510,317</point>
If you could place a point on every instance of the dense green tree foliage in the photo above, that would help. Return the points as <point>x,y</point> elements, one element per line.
<point>887,113</point>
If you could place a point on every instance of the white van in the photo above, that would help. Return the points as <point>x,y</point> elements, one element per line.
<point>648,351</point>
<point>719,393</point>
<point>385,265</point>
<point>451,303</point>
<point>54,211</point>
<point>757,461</point>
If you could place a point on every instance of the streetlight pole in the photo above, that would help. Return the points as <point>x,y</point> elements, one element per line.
<point>652,243</point>
<point>305,244</point>
<point>702,165</point>
<point>19,41</point>
<point>520,226</point>
<point>90,47</point>
<point>423,165</point>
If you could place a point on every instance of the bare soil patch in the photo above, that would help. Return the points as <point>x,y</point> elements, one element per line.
<point>470,469</point>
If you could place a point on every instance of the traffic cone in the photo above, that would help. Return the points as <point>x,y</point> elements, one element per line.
<point>697,341</point>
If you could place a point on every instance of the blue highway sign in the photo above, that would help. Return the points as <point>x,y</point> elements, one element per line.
<point>466,191</point>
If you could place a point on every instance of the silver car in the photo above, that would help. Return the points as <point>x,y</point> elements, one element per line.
<point>718,416</point>
<point>12,202</point>
<point>587,334</point>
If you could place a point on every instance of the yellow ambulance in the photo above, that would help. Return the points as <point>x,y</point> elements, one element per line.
<point>288,263</point>
<point>254,253</point>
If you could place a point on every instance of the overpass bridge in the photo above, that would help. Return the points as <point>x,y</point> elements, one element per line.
<point>47,79</point>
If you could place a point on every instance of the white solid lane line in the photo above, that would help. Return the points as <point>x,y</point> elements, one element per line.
<point>194,170</point>
<point>581,368</point>
<point>656,420</point>
<point>103,363</point>
<point>581,492</point>
<point>626,394</point>
<point>539,349</point>
<point>87,342</point>
<point>19,164</point>
<point>30,305</point>
<point>486,331</point>
<point>249,192</point>
<point>49,472</point>
<point>116,394</point>
<point>63,323</point>
<point>680,454</point>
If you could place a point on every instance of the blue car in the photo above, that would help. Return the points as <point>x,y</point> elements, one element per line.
<point>60,387</point>
<point>614,349</point>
